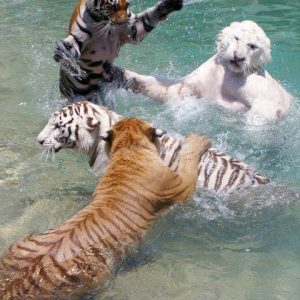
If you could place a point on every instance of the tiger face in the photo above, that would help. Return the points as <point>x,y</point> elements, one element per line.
<point>117,11</point>
<point>70,128</point>
<point>243,47</point>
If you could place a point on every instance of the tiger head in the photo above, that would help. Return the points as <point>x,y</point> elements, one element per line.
<point>117,11</point>
<point>74,126</point>
<point>132,132</point>
<point>243,47</point>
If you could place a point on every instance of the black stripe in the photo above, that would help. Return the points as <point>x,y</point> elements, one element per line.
<point>84,29</point>
<point>86,70</point>
<point>175,155</point>
<point>107,67</point>
<point>221,174</point>
<point>79,43</point>
<point>85,60</point>
<point>95,76</point>
<point>86,229</point>
<point>76,132</point>
<point>85,109</point>
<point>46,277</point>
<point>25,248</point>
<point>83,81</point>
<point>208,173</point>
<point>135,211</point>
<point>133,32</point>
<point>146,24</point>
<point>235,174</point>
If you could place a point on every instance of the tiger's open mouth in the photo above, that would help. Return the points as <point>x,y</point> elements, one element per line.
<point>234,62</point>
<point>236,65</point>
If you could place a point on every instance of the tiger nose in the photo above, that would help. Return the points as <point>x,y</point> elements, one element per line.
<point>40,141</point>
<point>237,57</point>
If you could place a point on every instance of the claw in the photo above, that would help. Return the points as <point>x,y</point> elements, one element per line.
<point>67,45</point>
<point>64,51</point>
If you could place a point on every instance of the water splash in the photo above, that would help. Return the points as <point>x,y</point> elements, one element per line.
<point>190,2</point>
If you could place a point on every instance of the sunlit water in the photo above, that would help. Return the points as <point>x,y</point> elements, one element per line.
<point>243,246</point>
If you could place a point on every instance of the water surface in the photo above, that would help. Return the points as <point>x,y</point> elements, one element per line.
<point>243,246</point>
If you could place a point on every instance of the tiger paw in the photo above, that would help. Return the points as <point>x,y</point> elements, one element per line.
<point>132,82</point>
<point>175,4</point>
<point>167,6</point>
<point>64,50</point>
<point>196,143</point>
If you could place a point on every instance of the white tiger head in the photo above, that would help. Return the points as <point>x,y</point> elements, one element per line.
<point>243,47</point>
<point>74,126</point>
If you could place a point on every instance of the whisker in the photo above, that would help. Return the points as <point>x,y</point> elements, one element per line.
<point>104,30</point>
<point>43,153</point>
<point>53,155</point>
<point>47,154</point>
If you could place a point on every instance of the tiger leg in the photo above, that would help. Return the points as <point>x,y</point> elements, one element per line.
<point>68,50</point>
<point>193,147</point>
<point>152,87</point>
<point>146,21</point>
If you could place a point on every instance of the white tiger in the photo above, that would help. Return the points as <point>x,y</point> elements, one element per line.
<point>80,125</point>
<point>233,78</point>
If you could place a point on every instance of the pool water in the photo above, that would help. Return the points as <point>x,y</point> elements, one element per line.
<point>240,246</point>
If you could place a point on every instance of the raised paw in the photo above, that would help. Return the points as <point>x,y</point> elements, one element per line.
<point>194,142</point>
<point>64,50</point>
<point>167,6</point>
<point>175,4</point>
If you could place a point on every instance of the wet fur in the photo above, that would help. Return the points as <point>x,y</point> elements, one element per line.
<point>84,253</point>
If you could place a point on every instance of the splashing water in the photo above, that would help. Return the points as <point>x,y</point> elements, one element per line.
<point>189,2</point>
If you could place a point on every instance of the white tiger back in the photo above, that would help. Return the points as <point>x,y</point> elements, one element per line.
<point>217,171</point>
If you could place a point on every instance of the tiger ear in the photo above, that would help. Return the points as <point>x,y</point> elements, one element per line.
<point>107,136</point>
<point>154,132</point>
<point>158,132</point>
<point>91,123</point>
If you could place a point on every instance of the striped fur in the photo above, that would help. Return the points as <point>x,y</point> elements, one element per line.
<point>84,253</point>
<point>84,122</point>
<point>97,31</point>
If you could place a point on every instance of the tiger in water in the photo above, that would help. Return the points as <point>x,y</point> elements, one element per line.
<point>80,125</point>
<point>82,255</point>
<point>97,31</point>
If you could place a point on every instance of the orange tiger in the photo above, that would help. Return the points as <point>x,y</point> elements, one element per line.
<point>97,31</point>
<point>83,254</point>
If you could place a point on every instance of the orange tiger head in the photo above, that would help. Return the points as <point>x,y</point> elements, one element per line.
<point>120,13</point>
<point>116,10</point>
<point>132,132</point>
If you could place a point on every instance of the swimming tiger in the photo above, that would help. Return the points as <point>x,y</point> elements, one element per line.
<point>85,252</point>
<point>97,31</point>
<point>80,125</point>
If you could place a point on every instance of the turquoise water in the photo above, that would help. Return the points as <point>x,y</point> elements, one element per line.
<point>243,246</point>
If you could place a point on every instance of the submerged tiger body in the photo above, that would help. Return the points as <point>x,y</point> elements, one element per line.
<point>97,31</point>
<point>80,125</point>
<point>84,253</point>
